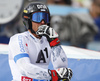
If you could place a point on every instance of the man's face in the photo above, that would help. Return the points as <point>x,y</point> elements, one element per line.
<point>38,19</point>
<point>97,7</point>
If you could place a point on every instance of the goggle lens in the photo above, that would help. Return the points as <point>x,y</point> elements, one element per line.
<point>39,16</point>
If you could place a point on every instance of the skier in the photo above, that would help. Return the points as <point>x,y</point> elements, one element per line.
<point>30,52</point>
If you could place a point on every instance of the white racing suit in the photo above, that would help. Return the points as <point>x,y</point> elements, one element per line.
<point>29,57</point>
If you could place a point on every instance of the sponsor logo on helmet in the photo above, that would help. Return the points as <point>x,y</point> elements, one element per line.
<point>25,11</point>
<point>41,7</point>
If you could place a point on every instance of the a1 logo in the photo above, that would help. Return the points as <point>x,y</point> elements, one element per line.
<point>41,56</point>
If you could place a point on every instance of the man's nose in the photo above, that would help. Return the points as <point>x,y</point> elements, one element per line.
<point>42,22</point>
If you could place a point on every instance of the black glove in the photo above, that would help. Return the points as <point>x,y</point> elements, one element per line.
<point>50,33</point>
<point>64,74</point>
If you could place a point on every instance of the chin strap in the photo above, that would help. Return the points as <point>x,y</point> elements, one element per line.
<point>32,31</point>
<point>30,27</point>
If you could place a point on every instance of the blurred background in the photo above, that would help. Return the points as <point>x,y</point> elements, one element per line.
<point>76,21</point>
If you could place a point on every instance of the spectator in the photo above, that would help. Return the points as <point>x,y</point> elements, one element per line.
<point>82,29</point>
<point>3,38</point>
<point>95,13</point>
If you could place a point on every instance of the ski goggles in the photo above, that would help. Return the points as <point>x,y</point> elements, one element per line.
<point>39,16</point>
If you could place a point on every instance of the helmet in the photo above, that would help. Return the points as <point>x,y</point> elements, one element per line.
<point>35,12</point>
